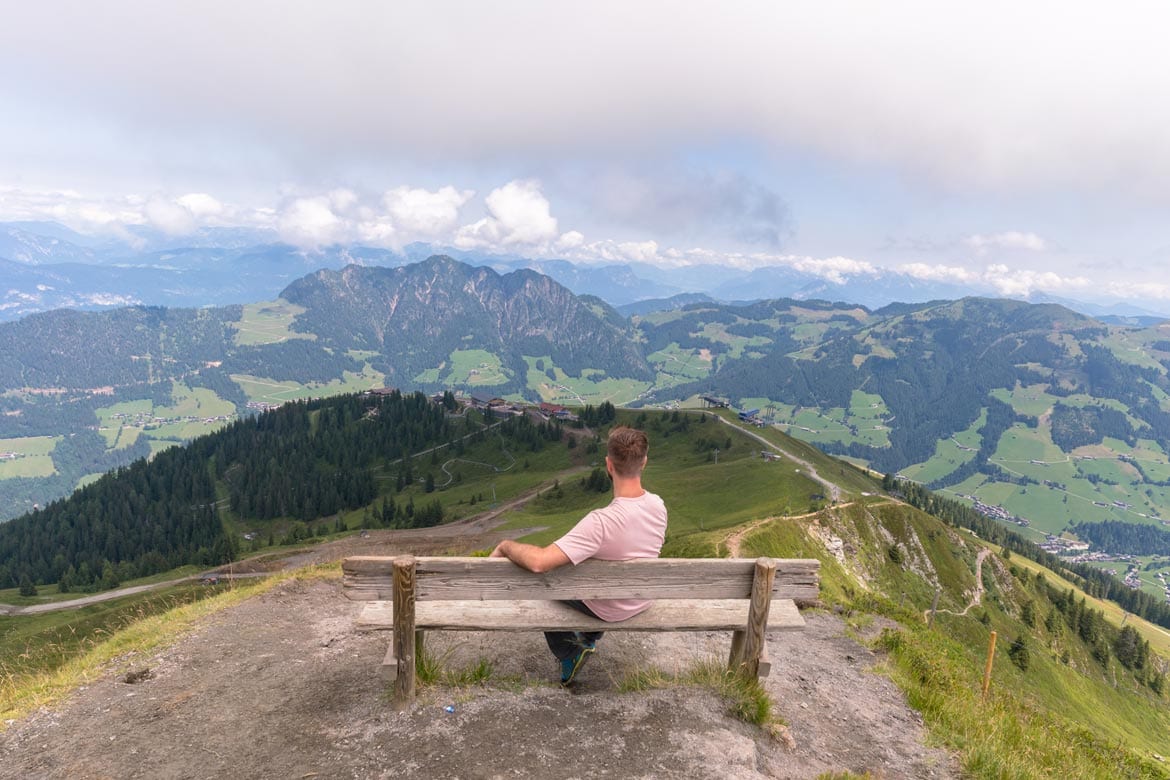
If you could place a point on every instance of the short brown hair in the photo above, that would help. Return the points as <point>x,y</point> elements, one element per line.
<point>627,448</point>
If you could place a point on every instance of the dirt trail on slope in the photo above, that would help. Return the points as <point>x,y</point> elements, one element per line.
<point>282,686</point>
<point>977,597</point>
<point>834,490</point>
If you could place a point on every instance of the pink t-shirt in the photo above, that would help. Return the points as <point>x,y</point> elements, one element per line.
<point>626,528</point>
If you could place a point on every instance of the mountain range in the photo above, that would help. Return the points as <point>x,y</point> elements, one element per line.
<point>1050,418</point>
<point>48,266</point>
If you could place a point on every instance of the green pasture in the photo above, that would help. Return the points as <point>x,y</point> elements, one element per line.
<point>680,365</point>
<point>737,345</point>
<point>270,391</point>
<point>475,368</point>
<point>33,456</point>
<point>1127,347</point>
<point>1032,400</point>
<point>1108,470</point>
<point>592,387</point>
<point>267,323</point>
<point>947,457</point>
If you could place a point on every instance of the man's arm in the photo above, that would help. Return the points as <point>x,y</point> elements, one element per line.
<point>529,556</point>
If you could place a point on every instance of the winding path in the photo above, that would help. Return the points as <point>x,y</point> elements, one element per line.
<point>976,599</point>
<point>834,490</point>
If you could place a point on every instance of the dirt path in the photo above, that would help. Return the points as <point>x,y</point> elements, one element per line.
<point>977,597</point>
<point>282,686</point>
<point>834,491</point>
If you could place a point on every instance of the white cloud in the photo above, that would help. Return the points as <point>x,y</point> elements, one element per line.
<point>1020,282</point>
<point>1139,290</point>
<point>169,217</point>
<point>833,269</point>
<point>519,215</point>
<point>522,212</point>
<point>342,199</point>
<point>570,240</point>
<point>425,214</point>
<point>937,273</point>
<point>200,204</point>
<point>310,223</point>
<point>994,93</point>
<point>1011,239</point>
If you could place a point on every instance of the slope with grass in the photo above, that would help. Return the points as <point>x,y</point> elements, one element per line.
<point>1074,693</point>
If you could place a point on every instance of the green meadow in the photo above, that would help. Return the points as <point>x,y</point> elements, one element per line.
<point>268,323</point>
<point>33,456</point>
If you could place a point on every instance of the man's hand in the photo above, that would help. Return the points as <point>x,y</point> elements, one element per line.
<point>529,556</point>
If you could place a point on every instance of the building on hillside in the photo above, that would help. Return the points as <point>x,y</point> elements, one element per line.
<point>382,391</point>
<point>483,401</point>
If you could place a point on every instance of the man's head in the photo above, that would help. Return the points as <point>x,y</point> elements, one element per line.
<point>626,449</point>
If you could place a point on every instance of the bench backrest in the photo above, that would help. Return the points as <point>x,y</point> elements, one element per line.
<point>371,578</point>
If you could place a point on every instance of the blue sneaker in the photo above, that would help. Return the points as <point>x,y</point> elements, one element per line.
<point>571,665</point>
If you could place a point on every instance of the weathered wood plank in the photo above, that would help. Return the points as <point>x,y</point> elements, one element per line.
<point>404,627</point>
<point>369,578</point>
<point>664,615</point>
<point>757,624</point>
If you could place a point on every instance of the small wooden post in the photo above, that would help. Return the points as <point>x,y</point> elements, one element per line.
<point>404,637</point>
<point>933,607</point>
<point>746,652</point>
<point>987,670</point>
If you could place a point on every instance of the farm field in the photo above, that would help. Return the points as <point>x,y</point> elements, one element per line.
<point>261,390</point>
<point>268,323</point>
<point>582,390</point>
<point>33,456</point>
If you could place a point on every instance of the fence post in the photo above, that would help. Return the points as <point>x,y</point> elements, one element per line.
<point>933,607</point>
<point>987,669</point>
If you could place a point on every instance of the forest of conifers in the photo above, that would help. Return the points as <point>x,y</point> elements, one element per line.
<point>303,461</point>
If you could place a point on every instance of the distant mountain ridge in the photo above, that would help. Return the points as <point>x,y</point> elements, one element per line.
<point>936,390</point>
<point>217,266</point>
<point>414,313</point>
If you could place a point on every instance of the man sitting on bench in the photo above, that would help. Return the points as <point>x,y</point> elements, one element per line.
<point>633,525</point>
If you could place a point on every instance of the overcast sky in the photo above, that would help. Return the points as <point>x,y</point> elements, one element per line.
<point>1023,144</point>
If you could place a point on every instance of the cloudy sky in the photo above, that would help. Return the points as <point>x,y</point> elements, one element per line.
<point>1022,144</point>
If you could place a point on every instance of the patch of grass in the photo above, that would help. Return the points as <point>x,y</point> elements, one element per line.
<point>746,698</point>
<point>33,456</point>
<point>1006,734</point>
<point>433,670</point>
<point>268,323</point>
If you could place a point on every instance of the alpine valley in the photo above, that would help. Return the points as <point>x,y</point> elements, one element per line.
<point>1033,413</point>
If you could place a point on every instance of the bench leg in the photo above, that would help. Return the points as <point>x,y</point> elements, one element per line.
<point>735,658</point>
<point>404,632</point>
<point>765,664</point>
<point>390,665</point>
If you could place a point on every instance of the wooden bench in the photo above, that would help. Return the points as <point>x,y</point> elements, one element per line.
<point>410,595</point>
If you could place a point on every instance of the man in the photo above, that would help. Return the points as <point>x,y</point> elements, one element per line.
<point>633,525</point>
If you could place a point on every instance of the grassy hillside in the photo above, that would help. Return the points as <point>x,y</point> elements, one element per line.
<point>1066,701</point>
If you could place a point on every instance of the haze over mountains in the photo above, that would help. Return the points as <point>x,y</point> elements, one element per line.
<point>46,266</point>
